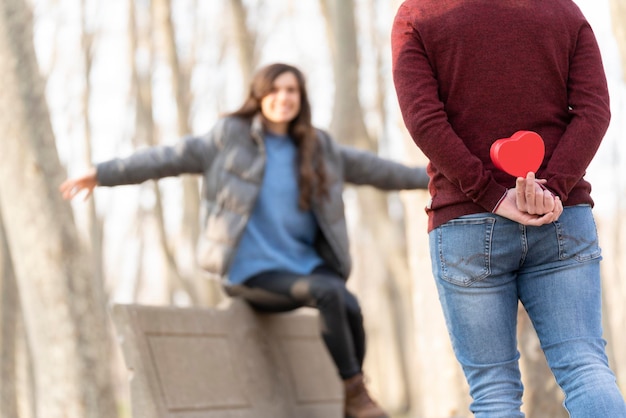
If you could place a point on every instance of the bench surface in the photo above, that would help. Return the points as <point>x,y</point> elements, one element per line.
<point>227,362</point>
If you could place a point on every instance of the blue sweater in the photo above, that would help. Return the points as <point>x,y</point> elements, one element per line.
<point>278,235</point>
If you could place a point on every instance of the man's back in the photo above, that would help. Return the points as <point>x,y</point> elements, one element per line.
<point>470,72</point>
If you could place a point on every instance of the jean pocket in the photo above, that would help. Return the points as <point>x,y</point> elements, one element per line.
<point>464,249</point>
<point>577,234</point>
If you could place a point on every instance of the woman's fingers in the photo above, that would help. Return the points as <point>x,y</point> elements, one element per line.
<point>71,187</point>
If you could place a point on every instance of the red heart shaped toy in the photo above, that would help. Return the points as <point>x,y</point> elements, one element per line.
<point>519,154</point>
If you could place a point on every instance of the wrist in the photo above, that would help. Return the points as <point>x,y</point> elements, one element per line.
<point>495,208</point>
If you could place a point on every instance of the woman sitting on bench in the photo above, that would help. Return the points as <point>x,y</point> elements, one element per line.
<point>274,227</point>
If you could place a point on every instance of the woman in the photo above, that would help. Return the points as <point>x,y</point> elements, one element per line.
<point>274,225</point>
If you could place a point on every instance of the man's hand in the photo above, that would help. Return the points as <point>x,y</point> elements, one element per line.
<point>508,208</point>
<point>533,198</point>
<point>530,203</point>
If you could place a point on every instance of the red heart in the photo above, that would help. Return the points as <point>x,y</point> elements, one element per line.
<point>519,154</point>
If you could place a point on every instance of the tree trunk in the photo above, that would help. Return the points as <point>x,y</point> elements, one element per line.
<point>182,95</point>
<point>615,288</point>
<point>94,223</point>
<point>440,389</point>
<point>341,27</point>
<point>618,20</point>
<point>381,266</point>
<point>244,41</point>
<point>9,311</point>
<point>145,135</point>
<point>191,195</point>
<point>67,335</point>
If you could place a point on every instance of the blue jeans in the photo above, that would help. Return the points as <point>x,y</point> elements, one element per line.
<point>483,265</point>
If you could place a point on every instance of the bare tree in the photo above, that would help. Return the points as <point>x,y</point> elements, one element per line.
<point>162,16</point>
<point>67,335</point>
<point>94,222</point>
<point>145,135</point>
<point>615,293</point>
<point>245,40</point>
<point>9,311</point>
<point>386,246</point>
<point>439,388</point>
<point>618,17</point>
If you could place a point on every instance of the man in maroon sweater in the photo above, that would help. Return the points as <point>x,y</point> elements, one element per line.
<point>469,72</point>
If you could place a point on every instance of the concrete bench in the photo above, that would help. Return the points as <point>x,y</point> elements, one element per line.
<point>227,362</point>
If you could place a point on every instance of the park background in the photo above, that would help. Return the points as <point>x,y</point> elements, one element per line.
<point>88,80</point>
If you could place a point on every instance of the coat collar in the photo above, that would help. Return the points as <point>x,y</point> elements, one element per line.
<point>256,129</point>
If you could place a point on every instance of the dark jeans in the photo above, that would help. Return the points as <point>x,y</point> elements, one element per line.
<point>325,290</point>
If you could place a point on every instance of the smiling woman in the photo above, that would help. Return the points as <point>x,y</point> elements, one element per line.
<point>274,223</point>
<point>282,104</point>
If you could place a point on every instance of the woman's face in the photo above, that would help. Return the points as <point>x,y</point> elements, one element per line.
<point>282,104</point>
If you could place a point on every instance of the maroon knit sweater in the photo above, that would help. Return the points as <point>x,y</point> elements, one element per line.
<point>468,72</point>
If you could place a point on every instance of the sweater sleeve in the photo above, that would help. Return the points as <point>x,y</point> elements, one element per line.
<point>425,117</point>
<point>588,100</point>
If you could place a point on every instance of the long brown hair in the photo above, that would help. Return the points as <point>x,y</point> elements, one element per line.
<point>312,179</point>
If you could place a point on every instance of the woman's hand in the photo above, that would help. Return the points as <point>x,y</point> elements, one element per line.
<point>71,187</point>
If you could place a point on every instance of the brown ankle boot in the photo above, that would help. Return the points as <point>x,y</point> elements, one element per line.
<point>358,403</point>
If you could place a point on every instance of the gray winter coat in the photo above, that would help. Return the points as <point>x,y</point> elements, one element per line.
<point>231,158</point>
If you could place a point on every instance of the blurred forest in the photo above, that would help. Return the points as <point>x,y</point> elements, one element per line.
<point>87,80</point>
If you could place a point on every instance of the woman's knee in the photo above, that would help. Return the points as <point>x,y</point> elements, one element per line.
<point>329,293</point>
<point>335,293</point>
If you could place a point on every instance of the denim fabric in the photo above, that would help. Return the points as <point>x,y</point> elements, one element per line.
<point>483,265</point>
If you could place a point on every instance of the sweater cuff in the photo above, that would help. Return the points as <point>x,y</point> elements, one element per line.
<point>493,195</point>
<point>495,208</point>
